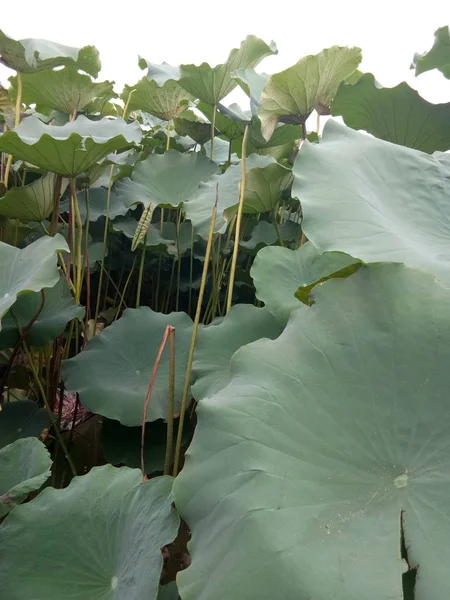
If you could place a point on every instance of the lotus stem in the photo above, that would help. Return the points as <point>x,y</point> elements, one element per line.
<point>169,328</point>
<point>213,129</point>
<point>105,237</point>
<point>187,379</point>
<point>141,273</point>
<point>16,124</point>
<point>238,218</point>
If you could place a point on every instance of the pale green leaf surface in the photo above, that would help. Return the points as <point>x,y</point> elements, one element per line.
<point>113,371</point>
<point>24,467</point>
<point>65,90</point>
<point>29,55</point>
<point>375,200</point>
<point>311,84</point>
<point>28,270</point>
<point>324,437</point>
<point>279,272</point>
<point>32,202</point>
<point>397,114</point>
<point>68,149</point>
<point>105,532</point>
<point>439,55</point>
<point>218,341</point>
<point>211,84</point>
<point>167,179</point>
<point>59,308</point>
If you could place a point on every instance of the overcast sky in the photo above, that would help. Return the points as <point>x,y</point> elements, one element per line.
<point>175,31</point>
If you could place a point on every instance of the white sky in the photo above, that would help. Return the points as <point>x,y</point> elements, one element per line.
<point>175,31</point>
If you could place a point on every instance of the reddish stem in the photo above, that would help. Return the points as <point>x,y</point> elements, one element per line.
<point>168,331</point>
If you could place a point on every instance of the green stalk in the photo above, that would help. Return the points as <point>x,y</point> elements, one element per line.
<point>16,123</point>
<point>238,219</point>
<point>213,129</point>
<point>49,410</point>
<point>105,237</point>
<point>187,379</point>
<point>177,299</point>
<point>170,402</point>
<point>125,287</point>
<point>191,269</point>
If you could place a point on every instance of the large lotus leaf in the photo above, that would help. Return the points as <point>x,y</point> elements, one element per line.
<point>397,115</point>
<point>439,55</point>
<point>24,467</point>
<point>167,179</point>
<point>159,73</point>
<point>122,445</point>
<point>327,439</point>
<point>28,270</point>
<point>253,84</point>
<point>211,84</point>
<point>266,234</point>
<point>217,342</point>
<point>32,202</point>
<point>105,531</point>
<point>65,90</point>
<point>280,273</point>
<point>31,55</point>
<point>59,308</point>
<point>68,149</point>
<point>223,124</point>
<point>199,206</point>
<point>264,186</point>
<point>21,419</point>
<point>375,200</point>
<point>199,131</point>
<point>311,84</point>
<point>113,372</point>
<point>165,102</point>
<point>97,204</point>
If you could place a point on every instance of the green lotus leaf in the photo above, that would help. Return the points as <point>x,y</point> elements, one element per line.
<point>29,55</point>
<point>97,204</point>
<point>199,206</point>
<point>106,529</point>
<point>375,200</point>
<point>397,115</point>
<point>28,270</point>
<point>122,445</point>
<point>113,372</point>
<point>253,84</point>
<point>311,84</point>
<point>200,132</point>
<point>32,202</point>
<point>165,102</point>
<point>283,277</point>
<point>21,419</point>
<point>169,591</point>
<point>329,439</point>
<point>436,58</point>
<point>24,467</point>
<point>59,308</point>
<point>159,73</point>
<point>223,123</point>
<point>158,239</point>
<point>266,234</point>
<point>264,186</point>
<point>167,179</point>
<point>211,84</point>
<point>218,341</point>
<point>69,149</point>
<point>65,90</point>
